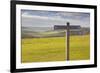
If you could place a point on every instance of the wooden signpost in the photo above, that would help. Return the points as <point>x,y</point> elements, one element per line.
<point>68,40</point>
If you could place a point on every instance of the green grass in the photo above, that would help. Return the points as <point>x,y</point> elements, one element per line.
<point>54,49</point>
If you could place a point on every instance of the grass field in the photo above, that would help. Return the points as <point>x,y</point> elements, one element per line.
<point>54,49</point>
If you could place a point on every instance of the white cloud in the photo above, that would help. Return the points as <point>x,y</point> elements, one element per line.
<point>49,21</point>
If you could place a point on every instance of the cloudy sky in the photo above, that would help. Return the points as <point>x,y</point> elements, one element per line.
<point>35,18</point>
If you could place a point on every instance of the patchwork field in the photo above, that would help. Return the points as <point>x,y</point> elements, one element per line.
<point>54,49</point>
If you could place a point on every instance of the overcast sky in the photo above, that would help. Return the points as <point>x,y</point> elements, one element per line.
<point>34,18</point>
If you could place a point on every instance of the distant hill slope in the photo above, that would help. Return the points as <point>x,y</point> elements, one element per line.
<point>43,34</point>
<point>32,33</point>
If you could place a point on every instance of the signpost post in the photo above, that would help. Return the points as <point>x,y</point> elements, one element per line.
<point>68,40</point>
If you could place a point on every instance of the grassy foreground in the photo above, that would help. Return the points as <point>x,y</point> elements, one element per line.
<point>54,49</point>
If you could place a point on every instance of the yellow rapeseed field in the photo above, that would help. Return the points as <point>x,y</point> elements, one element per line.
<point>54,49</point>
